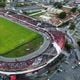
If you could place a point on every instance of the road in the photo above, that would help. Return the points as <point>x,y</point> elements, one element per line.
<point>70,70</point>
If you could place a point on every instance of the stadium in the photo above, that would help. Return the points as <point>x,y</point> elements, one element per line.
<point>26,48</point>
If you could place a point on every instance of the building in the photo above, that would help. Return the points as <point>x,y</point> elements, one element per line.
<point>34,63</point>
<point>77,2</point>
<point>58,0</point>
<point>54,10</point>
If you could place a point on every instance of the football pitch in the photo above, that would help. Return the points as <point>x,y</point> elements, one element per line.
<point>16,40</point>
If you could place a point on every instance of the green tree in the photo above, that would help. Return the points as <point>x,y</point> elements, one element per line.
<point>79,10</point>
<point>78,42</point>
<point>73,10</point>
<point>72,26</point>
<point>58,5</point>
<point>68,46</point>
<point>62,15</point>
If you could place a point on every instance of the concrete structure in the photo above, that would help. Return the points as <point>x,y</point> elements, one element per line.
<point>35,64</point>
<point>58,0</point>
<point>77,2</point>
<point>48,1</point>
<point>13,2</point>
<point>45,18</point>
<point>54,10</point>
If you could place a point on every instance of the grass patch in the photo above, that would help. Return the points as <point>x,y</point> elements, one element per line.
<point>14,37</point>
<point>26,49</point>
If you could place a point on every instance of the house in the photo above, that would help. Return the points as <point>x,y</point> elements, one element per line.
<point>77,2</point>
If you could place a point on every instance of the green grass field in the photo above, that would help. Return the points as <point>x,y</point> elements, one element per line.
<point>14,39</point>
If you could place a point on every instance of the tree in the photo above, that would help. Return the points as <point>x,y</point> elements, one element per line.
<point>78,42</point>
<point>79,10</point>
<point>72,26</point>
<point>2,3</point>
<point>68,46</point>
<point>58,5</point>
<point>73,10</point>
<point>62,15</point>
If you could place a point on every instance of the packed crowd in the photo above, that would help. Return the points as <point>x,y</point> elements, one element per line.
<point>23,18</point>
<point>24,65</point>
<point>58,37</point>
